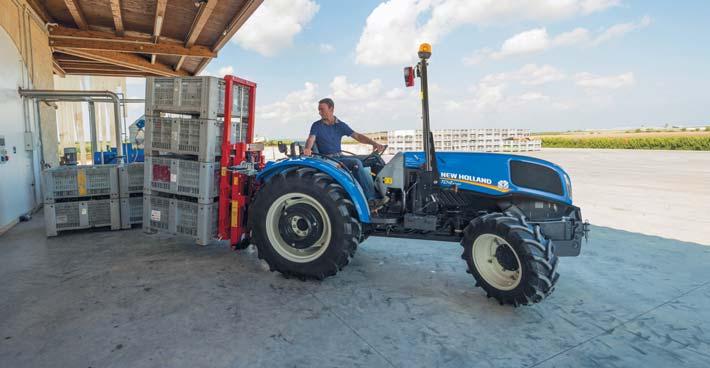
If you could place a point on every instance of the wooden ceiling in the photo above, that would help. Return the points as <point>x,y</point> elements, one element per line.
<point>139,37</point>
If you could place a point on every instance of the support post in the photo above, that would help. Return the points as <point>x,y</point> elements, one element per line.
<point>92,130</point>
<point>424,54</point>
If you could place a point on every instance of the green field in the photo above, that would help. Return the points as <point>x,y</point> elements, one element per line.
<point>685,143</point>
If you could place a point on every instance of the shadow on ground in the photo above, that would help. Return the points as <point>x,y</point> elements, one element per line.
<point>130,299</point>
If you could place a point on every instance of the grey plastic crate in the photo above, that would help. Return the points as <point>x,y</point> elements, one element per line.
<point>184,177</point>
<point>130,179</point>
<point>178,217</point>
<point>188,136</point>
<point>81,215</point>
<point>80,181</point>
<point>131,211</point>
<point>200,96</point>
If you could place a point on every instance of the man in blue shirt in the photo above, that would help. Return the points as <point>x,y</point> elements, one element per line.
<point>327,134</point>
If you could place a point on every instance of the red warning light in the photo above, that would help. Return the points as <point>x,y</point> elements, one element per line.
<point>409,76</point>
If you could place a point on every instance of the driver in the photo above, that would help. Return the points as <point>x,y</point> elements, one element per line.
<point>327,133</point>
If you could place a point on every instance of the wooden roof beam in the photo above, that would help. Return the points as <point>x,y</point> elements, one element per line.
<point>117,17</point>
<point>76,13</point>
<point>125,60</point>
<point>131,47</point>
<point>109,74</point>
<point>93,65</point>
<point>198,24</point>
<point>158,23</point>
<point>58,69</point>
<point>57,31</point>
<point>41,10</point>
<point>237,22</point>
<point>159,19</point>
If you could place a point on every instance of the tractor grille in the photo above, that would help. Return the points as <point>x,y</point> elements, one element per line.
<point>534,176</point>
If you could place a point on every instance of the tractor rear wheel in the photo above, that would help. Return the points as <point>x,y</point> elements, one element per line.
<point>304,225</point>
<point>510,259</point>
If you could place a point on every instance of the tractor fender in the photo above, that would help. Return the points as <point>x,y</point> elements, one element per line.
<point>341,176</point>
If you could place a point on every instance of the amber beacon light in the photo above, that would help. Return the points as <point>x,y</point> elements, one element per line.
<point>424,51</point>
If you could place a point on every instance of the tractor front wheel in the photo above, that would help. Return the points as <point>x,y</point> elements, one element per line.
<point>304,225</point>
<point>510,259</point>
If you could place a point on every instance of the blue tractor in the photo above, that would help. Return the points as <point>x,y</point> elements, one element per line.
<point>513,215</point>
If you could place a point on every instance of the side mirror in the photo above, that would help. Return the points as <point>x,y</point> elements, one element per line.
<point>282,147</point>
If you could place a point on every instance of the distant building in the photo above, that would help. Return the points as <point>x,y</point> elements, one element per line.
<point>379,137</point>
<point>468,140</point>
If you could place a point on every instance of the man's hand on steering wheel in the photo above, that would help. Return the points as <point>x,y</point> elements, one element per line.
<point>379,148</point>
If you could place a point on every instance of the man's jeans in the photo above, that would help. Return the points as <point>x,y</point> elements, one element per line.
<point>361,174</point>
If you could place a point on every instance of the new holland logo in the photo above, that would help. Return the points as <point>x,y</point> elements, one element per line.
<point>503,184</point>
<point>464,177</point>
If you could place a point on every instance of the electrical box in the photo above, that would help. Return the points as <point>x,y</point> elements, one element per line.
<point>29,141</point>
<point>4,157</point>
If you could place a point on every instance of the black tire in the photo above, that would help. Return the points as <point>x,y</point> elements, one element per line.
<point>345,229</point>
<point>537,261</point>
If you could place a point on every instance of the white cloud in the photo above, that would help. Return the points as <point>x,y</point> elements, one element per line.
<point>591,6</point>
<point>533,97</point>
<point>526,42</point>
<point>326,48</point>
<point>395,27</point>
<point>491,94</point>
<point>538,40</point>
<point>588,80</point>
<point>395,93</point>
<point>342,90</point>
<point>619,30</point>
<point>365,106</point>
<point>530,74</point>
<point>298,105</point>
<point>227,70</point>
<point>274,24</point>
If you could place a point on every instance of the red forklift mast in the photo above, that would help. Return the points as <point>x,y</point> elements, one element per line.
<point>235,185</point>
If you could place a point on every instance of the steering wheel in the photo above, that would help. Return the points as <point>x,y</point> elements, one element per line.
<point>374,153</point>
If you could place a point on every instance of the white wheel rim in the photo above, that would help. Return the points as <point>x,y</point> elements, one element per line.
<point>286,250</point>
<point>487,265</point>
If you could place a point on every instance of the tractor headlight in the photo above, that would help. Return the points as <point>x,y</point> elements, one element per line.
<point>568,183</point>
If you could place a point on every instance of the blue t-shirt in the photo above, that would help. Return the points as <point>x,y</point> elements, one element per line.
<point>328,136</point>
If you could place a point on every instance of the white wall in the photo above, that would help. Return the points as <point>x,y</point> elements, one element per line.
<point>18,193</point>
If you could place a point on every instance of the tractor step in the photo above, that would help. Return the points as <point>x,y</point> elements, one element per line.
<point>382,220</point>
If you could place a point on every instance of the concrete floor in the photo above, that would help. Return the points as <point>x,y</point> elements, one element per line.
<point>125,299</point>
<point>663,193</point>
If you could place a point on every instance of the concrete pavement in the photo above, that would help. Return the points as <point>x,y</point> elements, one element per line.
<point>664,193</point>
<point>125,299</point>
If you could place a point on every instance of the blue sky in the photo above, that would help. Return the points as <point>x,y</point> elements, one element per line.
<point>542,65</point>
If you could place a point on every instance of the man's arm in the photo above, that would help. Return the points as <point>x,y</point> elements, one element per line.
<point>309,145</point>
<point>367,140</point>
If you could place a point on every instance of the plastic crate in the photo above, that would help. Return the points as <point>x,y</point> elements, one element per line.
<point>80,181</point>
<point>179,217</point>
<point>200,96</point>
<point>130,179</point>
<point>189,136</point>
<point>183,177</point>
<point>131,211</point>
<point>74,215</point>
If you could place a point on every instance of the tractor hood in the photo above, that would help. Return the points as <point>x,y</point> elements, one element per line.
<point>499,174</point>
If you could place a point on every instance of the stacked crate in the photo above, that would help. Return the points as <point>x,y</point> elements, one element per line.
<point>81,197</point>
<point>130,180</point>
<point>183,142</point>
